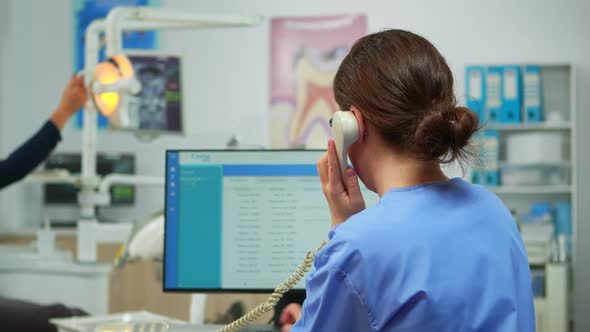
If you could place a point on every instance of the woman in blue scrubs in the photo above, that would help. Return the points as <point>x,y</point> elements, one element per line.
<point>434,254</point>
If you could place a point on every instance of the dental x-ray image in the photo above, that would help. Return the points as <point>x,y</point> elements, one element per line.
<point>151,97</point>
<point>157,107</point>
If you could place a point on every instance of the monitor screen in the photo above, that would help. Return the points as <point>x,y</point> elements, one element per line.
<point>67,194</point>
<point>241,220</point>
<point>158,105</point>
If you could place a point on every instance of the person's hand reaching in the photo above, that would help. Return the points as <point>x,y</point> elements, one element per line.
<point>343,195</point>
<point>290,315</point>
<point>73,98</point>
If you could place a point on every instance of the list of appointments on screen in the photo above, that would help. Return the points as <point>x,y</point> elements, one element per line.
<point>240,221</point>
<point>272,215</point>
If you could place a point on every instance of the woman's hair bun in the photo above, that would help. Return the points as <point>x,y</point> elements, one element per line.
<point>403,87</point>
<point>443,133</point>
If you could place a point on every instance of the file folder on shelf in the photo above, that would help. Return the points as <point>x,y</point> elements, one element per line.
<point>533,108</point>
<point>491,156</point>
<point>475,90</point>
<point>478,174</point>
<point>511,95</point>
<point>494,77</point>
<point>488,144</point>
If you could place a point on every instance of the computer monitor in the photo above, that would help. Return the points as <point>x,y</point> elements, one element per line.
<point>67,194</point>
<point>158,107</point>
<point>241,220</point>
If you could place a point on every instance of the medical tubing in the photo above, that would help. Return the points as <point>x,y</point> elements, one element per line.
<point>275,296</point>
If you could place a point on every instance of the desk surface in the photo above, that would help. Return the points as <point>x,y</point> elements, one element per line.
<point>27,232</point>
<point>26,259</point>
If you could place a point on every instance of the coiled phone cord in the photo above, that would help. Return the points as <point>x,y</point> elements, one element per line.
<point>278,293</point>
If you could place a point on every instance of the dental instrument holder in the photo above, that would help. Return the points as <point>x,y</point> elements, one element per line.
<point>118,20</point>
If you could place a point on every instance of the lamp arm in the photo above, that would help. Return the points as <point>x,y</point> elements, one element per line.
<point>147,18</point>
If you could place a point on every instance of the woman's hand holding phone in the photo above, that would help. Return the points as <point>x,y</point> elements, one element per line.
<point>343,194</point>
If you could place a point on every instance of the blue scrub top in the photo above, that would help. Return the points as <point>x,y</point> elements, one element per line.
<point>442,256</point>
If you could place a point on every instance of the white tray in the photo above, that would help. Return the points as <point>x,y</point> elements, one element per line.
<point>89,324</point>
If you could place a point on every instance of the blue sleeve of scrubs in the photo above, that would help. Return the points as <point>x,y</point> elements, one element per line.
<point>332,303</point>
<point>29,155</point>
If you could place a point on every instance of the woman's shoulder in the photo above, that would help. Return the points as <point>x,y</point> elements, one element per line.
<point>365,231</point>
<point>374,222</point>
<point>401,222</point>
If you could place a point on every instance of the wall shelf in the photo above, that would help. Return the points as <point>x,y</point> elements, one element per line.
<point>562,163</point>
<point>558,96</point>
<point>534,190</point>
<point>542,126</point>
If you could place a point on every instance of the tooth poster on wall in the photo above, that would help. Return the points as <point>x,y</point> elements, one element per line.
<point>305,55</point>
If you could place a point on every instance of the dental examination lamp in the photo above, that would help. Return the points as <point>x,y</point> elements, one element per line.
<point>114,81</point>
<point>110,86</point>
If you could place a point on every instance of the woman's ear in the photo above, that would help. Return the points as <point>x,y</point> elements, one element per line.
<point>361,123</point>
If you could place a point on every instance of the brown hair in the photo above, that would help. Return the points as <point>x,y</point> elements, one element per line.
<point>403,87</point>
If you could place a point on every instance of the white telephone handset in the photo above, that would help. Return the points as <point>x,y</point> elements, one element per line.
<point>345,131</point>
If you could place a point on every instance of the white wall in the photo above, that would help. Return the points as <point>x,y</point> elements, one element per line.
<point>228,72</point>
<point>16,101</point>
<point>4,9</point>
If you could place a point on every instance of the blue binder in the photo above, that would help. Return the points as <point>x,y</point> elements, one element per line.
<point>533,100</point>
<point>494,76</point>
<point>475,90</point>
<point>511,94</point>
<point>488,147</point>
<point>478,174</point>
<point>490,156</point>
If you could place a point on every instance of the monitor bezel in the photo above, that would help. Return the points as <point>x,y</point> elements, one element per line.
<point>183,112</point>
<point>217,290</point>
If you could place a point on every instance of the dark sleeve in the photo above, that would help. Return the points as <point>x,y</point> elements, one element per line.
<point>292,296</point>
<point>17,315</point>
<point>29,155</point>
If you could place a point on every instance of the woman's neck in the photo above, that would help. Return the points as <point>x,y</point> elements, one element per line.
<point>393,172</point>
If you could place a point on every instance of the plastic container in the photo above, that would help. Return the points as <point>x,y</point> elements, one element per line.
<point>526,148</point>
<point>534,175</point>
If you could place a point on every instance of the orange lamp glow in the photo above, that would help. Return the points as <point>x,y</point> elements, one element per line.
<point>108,73</point>
<point>107,102</point>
